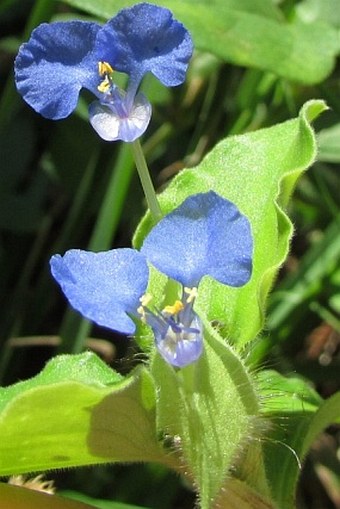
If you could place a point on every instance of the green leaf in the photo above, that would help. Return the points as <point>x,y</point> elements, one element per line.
<point>328,413</point>
<point>14,497</point>
<point>206,413</point>
<point>290,395</point>
<point>107,8</point>
<point>237,494</point>
<point>99,503</point>
<point>311,11</point>
<point>251,34</point>
<point>258,172</point>
<point>298,414</point>
<point>77,412</point>
<point>328,141</point>
<point>85,368</point>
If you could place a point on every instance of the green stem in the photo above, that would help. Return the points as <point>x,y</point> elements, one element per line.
<point>146,181</point>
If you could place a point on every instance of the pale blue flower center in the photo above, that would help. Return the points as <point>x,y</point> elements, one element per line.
<point>177,328</point>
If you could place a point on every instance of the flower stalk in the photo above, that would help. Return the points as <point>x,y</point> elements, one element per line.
<point>147,185</point>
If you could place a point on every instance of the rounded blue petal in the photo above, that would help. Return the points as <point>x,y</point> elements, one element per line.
<point>104,286</point>
<point>53,66</point>
<point>205,235</point>
<point>112,122</point>
<point>146,38</point>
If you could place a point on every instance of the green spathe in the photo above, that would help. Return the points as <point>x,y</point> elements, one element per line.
<point>215,406</point>
<point>256,171</point>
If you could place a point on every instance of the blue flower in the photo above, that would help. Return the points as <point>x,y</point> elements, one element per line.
<point>61,58</point>
<point>205,236</point>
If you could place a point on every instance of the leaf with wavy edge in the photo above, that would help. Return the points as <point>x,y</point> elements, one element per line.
<point>298,414</point>
<point>257,171</point>
<point>78,411</point>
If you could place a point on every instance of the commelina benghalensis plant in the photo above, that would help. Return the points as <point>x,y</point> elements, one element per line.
<point>192,297</point>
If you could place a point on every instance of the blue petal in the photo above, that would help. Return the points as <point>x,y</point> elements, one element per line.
<point>206,235</point>
<point>112,123</point>
<point>104,286</point>
<point>146,38</point>
<point>55,64</point>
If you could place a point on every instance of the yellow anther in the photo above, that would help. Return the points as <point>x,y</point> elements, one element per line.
<point>174,309</point>
<point>192,294</point>
<point>145,299</point>
<point>141,312</point>
<point>104,85</point>
<point>104,68</point>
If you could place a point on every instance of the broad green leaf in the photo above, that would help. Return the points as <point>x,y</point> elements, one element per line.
<point>107,8</point>
<point>290,395</point>
<point>256,171</point>
<point>283,402</point>
<point>311,11</point>
<point>99,503</point>
<point>286,447</point>
<point>206,412</point>
<point>298,414</point>
<point>77,412</point>
<point>14,497</point>
<point>237,494</point>
<point>329,146</point>
<point>328,413</point>
<point>86,368</point>
<point>247,34</point>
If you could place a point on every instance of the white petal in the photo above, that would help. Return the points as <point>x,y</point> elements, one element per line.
<point>111,126</point>
<point>104,121</point>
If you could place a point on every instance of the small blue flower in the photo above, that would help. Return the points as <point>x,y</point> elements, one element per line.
<point>205,236</point>
<point>61,58</point>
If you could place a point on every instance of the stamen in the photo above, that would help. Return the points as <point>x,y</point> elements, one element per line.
<point>104,86</point>
<point>192,294</point>
<point>141,312</point>
<point>177,329</point>
<point>144,300</point>
<point>174,309</point>
<point>104,68</point>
